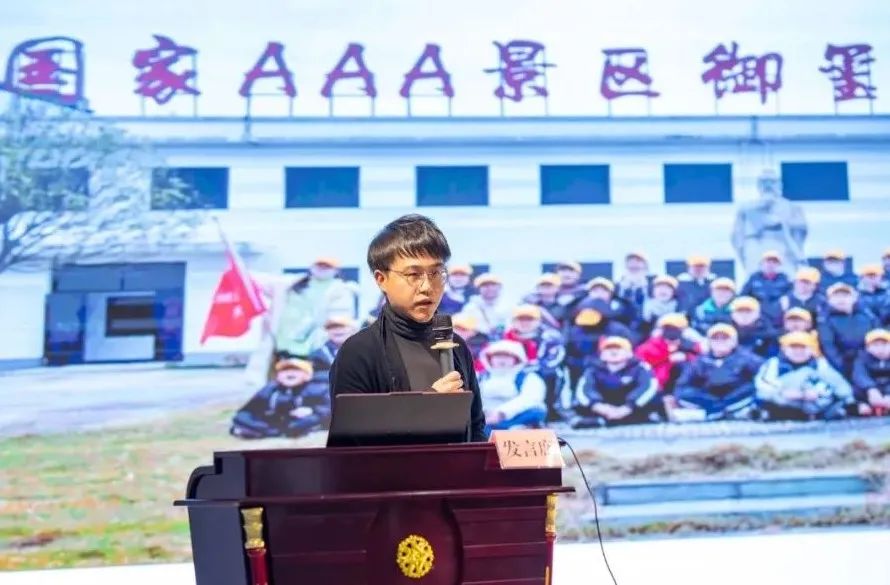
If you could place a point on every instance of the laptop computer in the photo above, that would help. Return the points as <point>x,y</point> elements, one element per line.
<point>400,418</point>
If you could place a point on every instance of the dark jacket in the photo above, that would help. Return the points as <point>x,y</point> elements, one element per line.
<point>323,357</point>
<point>870,372</point>
<point>761,337</point>
<point>874,302</point>
<point>553,314</point>
<point>656,352</point>
<point>842,335</point>
<point>618,311</point>
<point>545,349</point>
<point>709,314</point>
<point>768,291</point>
<point>453,301</point>
<point>370,362</point>
<point>720,376</point>
<point>883,312</point>
<point>267,413</point>
<point>634,385</point>
<point>830,279</point>
<point>582,344</point>
<point>691,292</point>
<point>815,304</point>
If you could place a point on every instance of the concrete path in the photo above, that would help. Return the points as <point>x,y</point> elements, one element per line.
<point>81,398</point>
<point>836,557</point>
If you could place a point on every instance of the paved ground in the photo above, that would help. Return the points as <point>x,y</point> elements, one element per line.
<point>642,440</point>
<point>79,398</point>
<point>837,557</point>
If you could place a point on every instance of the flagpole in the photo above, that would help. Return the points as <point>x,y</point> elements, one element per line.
<point>239,267</point>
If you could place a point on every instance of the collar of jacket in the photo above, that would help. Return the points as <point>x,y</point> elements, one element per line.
<point>393,364</point>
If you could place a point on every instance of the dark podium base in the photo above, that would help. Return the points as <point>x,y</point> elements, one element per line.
<point>436,515</point>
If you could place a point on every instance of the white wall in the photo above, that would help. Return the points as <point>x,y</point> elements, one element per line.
<point>514,234</point>
<point>21,314</point>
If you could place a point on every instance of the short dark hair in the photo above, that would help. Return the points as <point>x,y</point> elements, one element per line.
<point>411,236</point>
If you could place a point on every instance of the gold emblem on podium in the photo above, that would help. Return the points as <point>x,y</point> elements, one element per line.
<point>415,556</point>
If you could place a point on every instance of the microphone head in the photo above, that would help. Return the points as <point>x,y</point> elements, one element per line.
<point>442,328</point>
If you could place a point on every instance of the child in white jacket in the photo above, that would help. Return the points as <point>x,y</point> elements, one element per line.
<point>797,385</point>
<point>512,394</point>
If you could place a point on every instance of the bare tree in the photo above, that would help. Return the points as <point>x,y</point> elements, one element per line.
<point>74,188</point>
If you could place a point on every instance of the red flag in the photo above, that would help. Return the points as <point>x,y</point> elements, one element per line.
<point>236,302</point>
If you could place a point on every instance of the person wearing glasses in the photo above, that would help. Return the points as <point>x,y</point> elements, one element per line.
<point>408,258</point>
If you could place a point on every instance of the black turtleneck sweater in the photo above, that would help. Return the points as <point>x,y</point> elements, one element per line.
<point>414,341</point>
<point>393,355</point>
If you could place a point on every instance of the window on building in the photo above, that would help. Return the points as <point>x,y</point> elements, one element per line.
<point>574,184</point>
<point>130,315</point>
<point>190,188</point>
<point>321,187</point>
<point>815,181</point>
<point>452,186</point>
<point>698,183</point>
<point>347,273</point>
<point>589,270</point>
<point>55,189</point>
<point>818,262</point>
<point>725,268</point>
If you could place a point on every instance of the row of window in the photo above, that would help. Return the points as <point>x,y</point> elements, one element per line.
<point>313,187</point>
<point>307,187</point>
<point>589,270</point>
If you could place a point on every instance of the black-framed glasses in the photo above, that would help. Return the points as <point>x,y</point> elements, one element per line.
<point>415,277</point>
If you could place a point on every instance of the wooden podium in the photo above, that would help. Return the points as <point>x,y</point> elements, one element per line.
<point>424,515</point>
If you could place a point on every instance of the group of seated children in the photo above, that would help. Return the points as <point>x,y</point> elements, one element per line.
<point>644,348</point>
<point>687,348</point>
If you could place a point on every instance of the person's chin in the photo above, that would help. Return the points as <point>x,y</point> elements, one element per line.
<point>423,312</point>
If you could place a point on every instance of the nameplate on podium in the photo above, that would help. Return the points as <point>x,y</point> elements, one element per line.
<point>527,449</point>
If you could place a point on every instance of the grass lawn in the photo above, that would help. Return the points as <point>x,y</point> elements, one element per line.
<point>119,511</point>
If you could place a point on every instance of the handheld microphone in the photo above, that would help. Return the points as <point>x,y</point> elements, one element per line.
<point>443,342</point>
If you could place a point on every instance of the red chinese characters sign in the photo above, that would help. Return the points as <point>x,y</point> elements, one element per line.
<point>157,79</point>
<point>625,73</point>
<point>52,68</point>
<point>49,68</point>
<point>731,73</point>
<point>849,69</point>
<point>521,69</point>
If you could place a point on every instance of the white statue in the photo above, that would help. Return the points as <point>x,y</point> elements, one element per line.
<point>772,223</point>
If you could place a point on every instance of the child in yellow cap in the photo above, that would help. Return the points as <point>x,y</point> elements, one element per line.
<point>768,285</point>
<point>872,293</point>
<point>512,393</point>
<point>458,289</point>
<point>661,301</point>
<point>871,374</point>
<point>694,285</point>
<point>589,326</point>
<point>756,332</point>
<point>544,349</point>
<point>718,385</point>
<point>291,405</point>
<point>488,306</point>
<point>672,345</point>
<point>842,330</point>
<point>804,292</point>
<point>797,385</point>
<point>616,388</point>
<point>465,327</point>
<point>834,269</point>
<point>716,309</point>
<point>546,296</point>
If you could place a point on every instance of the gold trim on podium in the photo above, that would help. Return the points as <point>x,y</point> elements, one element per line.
<point>253,528</point>
<point>550,526</point>
<point>415,556</point>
